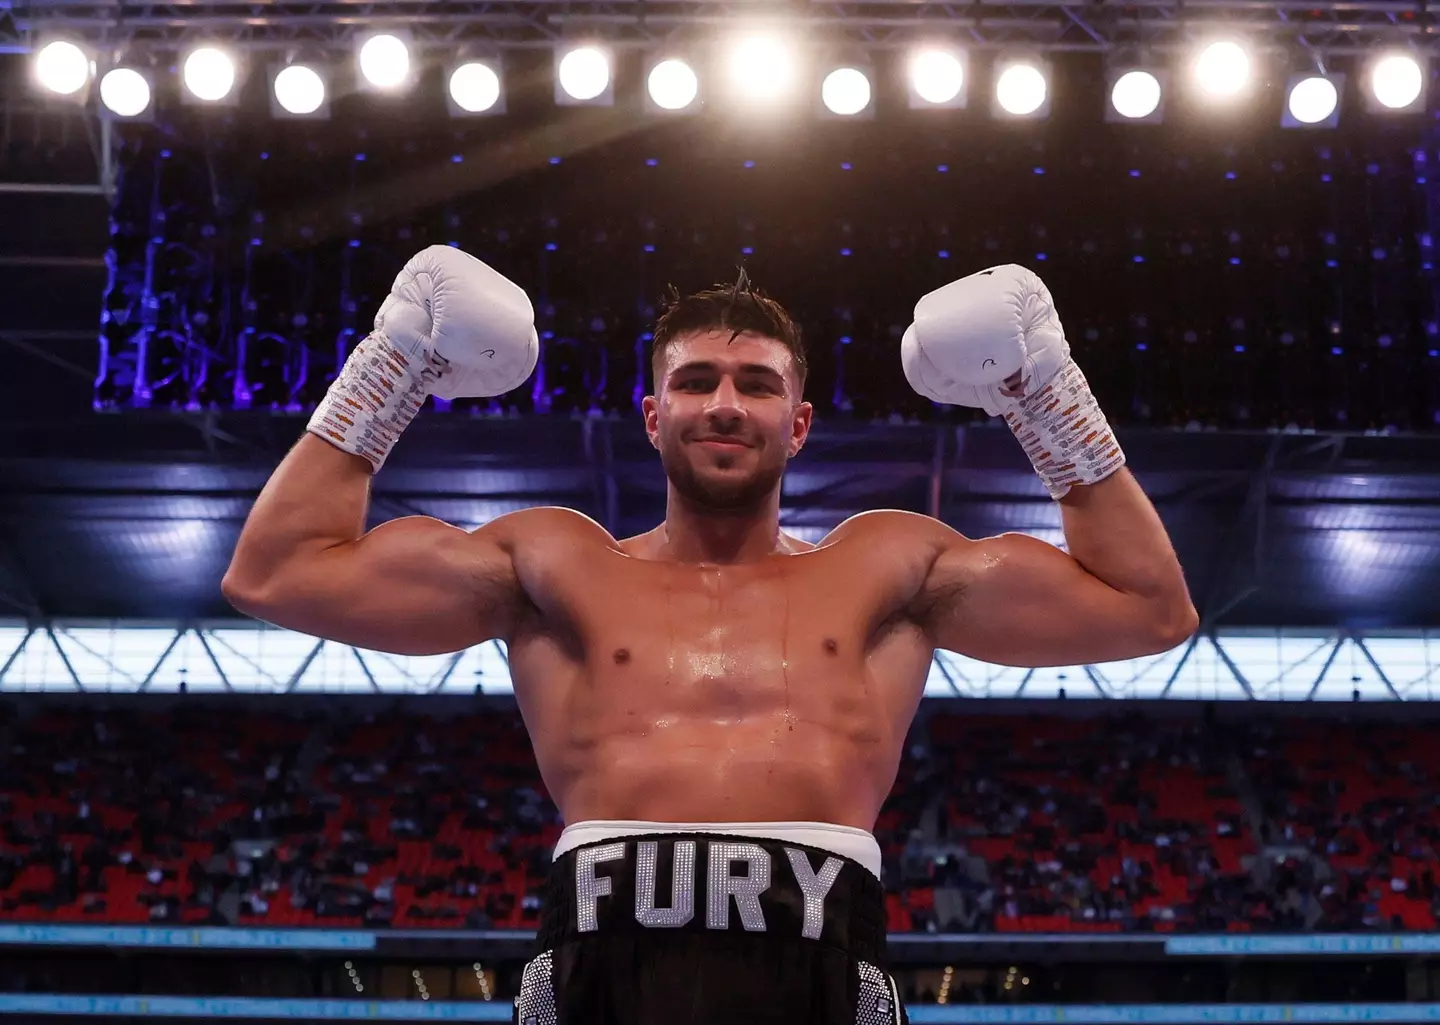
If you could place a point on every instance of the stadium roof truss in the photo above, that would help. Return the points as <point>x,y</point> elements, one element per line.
<point>1228,665</point>
<point>1324,26</point>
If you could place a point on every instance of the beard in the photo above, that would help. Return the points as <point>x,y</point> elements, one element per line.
<point>723,495</point>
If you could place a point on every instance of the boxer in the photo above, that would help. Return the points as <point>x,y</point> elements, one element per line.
<point>717,708</point>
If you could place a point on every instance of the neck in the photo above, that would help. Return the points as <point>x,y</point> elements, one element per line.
<point>694,533</point>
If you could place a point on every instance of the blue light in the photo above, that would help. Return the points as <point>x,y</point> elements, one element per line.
<point>1324,177</point>
<point>1434,353</point>
<point>1230,175</point>
<point>647,337</point>
<point>254,241</point>
<point>845,252</point>
<point>263,156</point>
<point>845,166</point>
<point>1134,174</point>
<point>942,168</point>
<point>1332,263</point>
<point>1239,348</point>
<point>1141,347</point>
<point>944,254</point>
<point>651,162</point>
<point>1138,259</point>
<point>550,247</point>
<point>1234,261</point>
<point>1420,181</point>
<point>547,335</point>
<point>359,158</point>
<point>1041,256</point>
<point>1427,266</point>
<point>554,160</point>
<point>1336,351</point>
<point>1039,170</point>
<point>844,339</point>
<point>453,245</point>
<point>749,163</point>
<point>354,243</point>
<point>457,159</point>
<point>747,250</point>
<point>649,249</point>
<point>165,155</point>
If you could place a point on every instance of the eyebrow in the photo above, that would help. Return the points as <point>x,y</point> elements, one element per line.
<point>708,366</point>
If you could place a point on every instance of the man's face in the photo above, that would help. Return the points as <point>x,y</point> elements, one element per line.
<point>726,416</point>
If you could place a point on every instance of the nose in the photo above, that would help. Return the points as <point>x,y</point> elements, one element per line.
<point>724,408</point>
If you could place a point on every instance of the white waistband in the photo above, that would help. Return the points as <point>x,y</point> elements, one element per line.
<point>846,841</point>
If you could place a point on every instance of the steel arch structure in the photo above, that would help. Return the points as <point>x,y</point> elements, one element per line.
<point>119,657</point>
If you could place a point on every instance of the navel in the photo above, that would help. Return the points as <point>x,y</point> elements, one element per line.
<point>622,655</point>
<point>831,647</point>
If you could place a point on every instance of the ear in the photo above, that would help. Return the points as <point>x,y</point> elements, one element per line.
<point>650,413</point>
<point>800,421</point>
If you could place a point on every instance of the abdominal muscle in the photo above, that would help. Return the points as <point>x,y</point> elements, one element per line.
<point>823,749</point>
<point>755,770</point>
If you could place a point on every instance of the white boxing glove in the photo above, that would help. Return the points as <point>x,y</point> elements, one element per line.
<point>450,327</point>
<point>973,335</point>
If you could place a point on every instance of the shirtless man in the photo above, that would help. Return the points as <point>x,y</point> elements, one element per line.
<point>718,709</point>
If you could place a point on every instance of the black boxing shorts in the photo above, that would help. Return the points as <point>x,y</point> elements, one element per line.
<point>708,928</point>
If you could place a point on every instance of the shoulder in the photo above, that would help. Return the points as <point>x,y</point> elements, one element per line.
<point>914,554</point>
<point>544,525</point>
<point>896,527</point>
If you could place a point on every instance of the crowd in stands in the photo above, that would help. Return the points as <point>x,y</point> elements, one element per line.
<point>199,814</point>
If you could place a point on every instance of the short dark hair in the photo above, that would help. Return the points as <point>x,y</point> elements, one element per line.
<point>739,307</point>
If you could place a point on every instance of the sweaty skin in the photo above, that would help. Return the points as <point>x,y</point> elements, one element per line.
<point>767,691</point>
<point>714,668</point>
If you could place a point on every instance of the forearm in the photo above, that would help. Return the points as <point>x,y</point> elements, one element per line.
<point>317,498</point>
<point>1113,531</point>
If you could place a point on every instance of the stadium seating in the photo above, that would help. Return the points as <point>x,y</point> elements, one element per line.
<point>203,814</point>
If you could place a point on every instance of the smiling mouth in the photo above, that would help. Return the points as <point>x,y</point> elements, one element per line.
<point>722,443</point>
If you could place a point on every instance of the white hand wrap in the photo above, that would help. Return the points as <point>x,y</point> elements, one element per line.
<point>373,399</point>
<point>1064,433</point>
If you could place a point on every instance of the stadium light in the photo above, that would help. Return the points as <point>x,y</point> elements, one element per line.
<point>62,68</point>
<point>209,74</point>
<point>846,93</point>
<point>935,77</point>
<point>1222,70</point>
<point>761,69</point>
<point>299,91</point>
<point>1136,95</point>
<point>473,88</point>
<point>583,78</point>
<point>126,93</point>
<point>671,86</point>
<point>1022,89</point>
<point>384,61</point>
<point>1396,83</point>
<point>1312,101</point>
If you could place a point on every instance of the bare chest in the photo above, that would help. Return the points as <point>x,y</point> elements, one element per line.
<point>721,641</point>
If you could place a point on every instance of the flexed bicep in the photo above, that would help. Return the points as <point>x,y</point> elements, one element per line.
<point>1015,600</point>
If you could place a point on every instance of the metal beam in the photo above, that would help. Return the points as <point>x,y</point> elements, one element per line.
<point>1329,661</point>
<point>1359,642</point>
<point>1330,26</point>
<point>1234,669</point>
